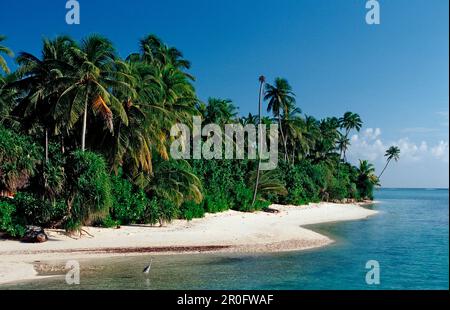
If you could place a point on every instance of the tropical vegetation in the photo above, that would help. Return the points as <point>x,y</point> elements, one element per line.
<point>85,140</point>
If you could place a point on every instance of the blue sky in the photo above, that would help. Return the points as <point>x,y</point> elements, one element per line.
<point>395,75</point>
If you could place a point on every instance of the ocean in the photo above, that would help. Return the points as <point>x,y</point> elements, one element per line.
<point>408,240</point>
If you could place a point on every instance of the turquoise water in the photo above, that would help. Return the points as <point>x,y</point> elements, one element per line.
<point>409,239</point>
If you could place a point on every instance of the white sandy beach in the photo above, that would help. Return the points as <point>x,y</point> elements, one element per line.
<point>228,231</point>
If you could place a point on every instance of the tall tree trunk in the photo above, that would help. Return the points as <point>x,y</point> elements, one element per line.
<point>83,134</point>
<point>46,145</point>
<point>387,163</point>
<point>282,136</point>
<point>62,144</point>
<point>260,142</point>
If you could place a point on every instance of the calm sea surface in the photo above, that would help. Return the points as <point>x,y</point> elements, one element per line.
<point>409,239</point>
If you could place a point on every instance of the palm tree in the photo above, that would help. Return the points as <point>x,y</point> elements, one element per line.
<point>89,84</point>
<point>8,52</point>
<point>295,131</point>
<point>343,144</point>
<point>39,86</point>
<point>154,51</point>
<point>327,136</point>
<point>262,80</point>
<point>349,122</point>
<point>250,119</point>
<point>366,179</point>
<point>392,153</point>
<point>220,111</point>
<point>280,97</point>
<point>148,118</point>
<point>8,98</point>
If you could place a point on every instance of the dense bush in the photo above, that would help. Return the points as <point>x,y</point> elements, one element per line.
<point>19,156</point>
<point>227,185</point>
<point>129,202</point>
<point>190,210</point>
<point>37,210</point>
<point>9,221</point>
<point>89,189</point>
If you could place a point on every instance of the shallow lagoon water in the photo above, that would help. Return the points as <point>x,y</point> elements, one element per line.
<point>409,239</point>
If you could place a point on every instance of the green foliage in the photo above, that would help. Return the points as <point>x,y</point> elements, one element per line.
<point>19,156</point>
<point>130,104</point>
<point>129,202</point>
<point>38,211</point>
<point>190,210</point>
<point>89,189</point>
<point>9,221</point>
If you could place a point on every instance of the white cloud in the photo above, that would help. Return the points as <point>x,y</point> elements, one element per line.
<point>440,151</point>
<point>370,145</point>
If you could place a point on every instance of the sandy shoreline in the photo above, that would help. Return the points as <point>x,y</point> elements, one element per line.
<point>228,231</point>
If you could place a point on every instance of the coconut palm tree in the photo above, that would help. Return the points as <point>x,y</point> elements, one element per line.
<point>366,179</point>
<point>262,80</point>
<point>88,85</point>
<point>39,88</point>
<point>220,111</point>
<point>327,136</point>
<point>133,144</point>
<point>349,122</point>
<point>392,153</point>
<point>280,97</point>
<point>6,51</point>
<point>343,144</point>
<point>294,131</point>
<point>154,51</point>
<point>8,98</point>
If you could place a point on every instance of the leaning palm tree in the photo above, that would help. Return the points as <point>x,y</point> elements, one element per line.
<point>262,80</point>
<point>392,153</point>
<point>349,122</point>
<point>6,51</point>
<point>88,86</point>
<point>280,97</point>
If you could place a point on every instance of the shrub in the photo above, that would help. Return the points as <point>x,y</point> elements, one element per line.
<point>190,210</point>
<point>129,202</point>
<point>160,211</point>
<point>19,156</point>
<point>38,211</point>
<point>9,221</point>
<point>89,189</point>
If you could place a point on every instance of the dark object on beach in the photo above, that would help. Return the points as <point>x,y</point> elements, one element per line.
<point>35,234</point>
<point>271,210</point>
<point>147,269</point>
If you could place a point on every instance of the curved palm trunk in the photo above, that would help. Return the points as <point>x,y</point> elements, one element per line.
<point>83,133</point>
<point>259,143</point>
<point>387,163</point>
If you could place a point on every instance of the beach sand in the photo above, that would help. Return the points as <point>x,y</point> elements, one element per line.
<point>228,231</point>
